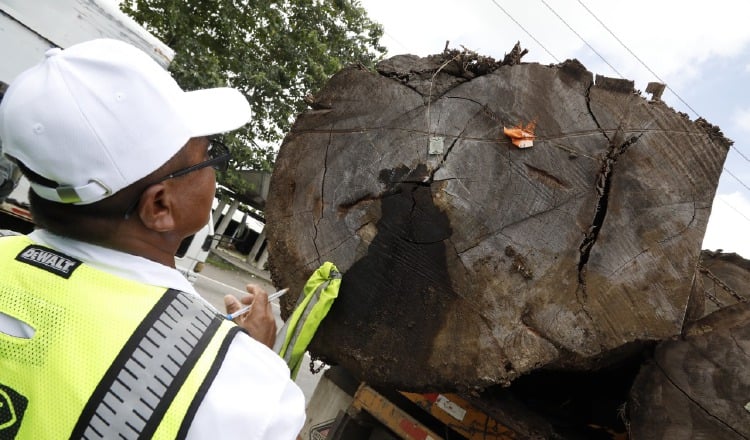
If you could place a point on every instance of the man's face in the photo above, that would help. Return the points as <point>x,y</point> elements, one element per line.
<point>196,189</point>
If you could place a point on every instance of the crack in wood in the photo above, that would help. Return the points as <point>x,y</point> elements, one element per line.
<point>499,231</point>
<point>344,207</point>
<point>681,231</point>
<point>322,195</point>
<point>368,198</point>
<point>593,116</point>
<point>527,320</point>
<point>455,141</point>
<point>738,345</point>
<point>619,268</point>
<point>694,401</point>
<point>545,177</point>
<point>603,184</point>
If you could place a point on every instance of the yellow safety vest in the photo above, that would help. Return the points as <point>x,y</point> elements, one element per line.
<point>110,358</point>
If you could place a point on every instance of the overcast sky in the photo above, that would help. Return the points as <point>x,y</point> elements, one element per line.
<point>700,49</point>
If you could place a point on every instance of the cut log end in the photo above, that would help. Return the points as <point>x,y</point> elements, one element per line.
<point>469,262</point>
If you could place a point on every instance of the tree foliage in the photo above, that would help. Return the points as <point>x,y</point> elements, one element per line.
<point>275,52</point>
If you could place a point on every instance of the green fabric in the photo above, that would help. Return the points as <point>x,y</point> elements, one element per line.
<point>319,292</point>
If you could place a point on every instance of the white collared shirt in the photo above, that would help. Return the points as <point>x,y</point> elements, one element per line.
<point>252,395</point>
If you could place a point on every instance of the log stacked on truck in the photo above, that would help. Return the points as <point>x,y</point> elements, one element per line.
<point>697,385</point>
<point>469,262</point>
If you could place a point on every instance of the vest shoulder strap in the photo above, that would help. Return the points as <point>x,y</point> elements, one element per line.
<point>142,382</point>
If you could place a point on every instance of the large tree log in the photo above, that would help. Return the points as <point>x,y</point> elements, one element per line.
<point>699,386</point>
<point>467,261</point>
<point>725,280</point>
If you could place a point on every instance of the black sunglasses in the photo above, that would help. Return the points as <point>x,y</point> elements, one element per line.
<point>218,159</point>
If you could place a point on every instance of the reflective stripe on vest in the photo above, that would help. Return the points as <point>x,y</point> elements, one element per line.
<point>152,366</point>
<point>320,290</point>
<point>111,358</point>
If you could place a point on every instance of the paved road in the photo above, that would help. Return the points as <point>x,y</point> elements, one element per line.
<point>213,283</point>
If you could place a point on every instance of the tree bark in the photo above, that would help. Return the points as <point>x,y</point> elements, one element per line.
<point>468,261</point>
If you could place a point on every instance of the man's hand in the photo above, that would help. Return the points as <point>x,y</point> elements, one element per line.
<point>259,320</point>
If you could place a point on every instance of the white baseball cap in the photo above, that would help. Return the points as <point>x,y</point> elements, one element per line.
<point>100,115</point>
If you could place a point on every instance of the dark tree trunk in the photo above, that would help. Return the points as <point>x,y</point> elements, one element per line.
<point>697,386</point>
<point>468,261</point>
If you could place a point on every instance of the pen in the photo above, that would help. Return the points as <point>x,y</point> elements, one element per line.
<point>271,297</point>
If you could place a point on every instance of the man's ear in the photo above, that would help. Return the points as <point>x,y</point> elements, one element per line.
<point>156,208</point>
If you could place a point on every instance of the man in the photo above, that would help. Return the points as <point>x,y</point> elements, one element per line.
<point>100,337</point>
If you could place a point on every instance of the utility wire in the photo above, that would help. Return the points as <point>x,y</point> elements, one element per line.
<point>735,209</point>
<point>396,40</point>
<point>737,178</point>
<point>651,71</point>
<point>637,58</point>
<point>740,153</point>
<point>582,39</point>
<point>615,70</point>
<point>524,29</point>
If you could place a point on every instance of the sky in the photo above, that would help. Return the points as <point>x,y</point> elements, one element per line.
<point>700,49</point>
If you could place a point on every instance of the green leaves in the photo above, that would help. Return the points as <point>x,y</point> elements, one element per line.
<point>275,52</point>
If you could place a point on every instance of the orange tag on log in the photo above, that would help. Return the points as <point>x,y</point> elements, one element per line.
<point>522,137</point>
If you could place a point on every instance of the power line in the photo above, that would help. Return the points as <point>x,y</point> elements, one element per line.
<point>582,39</point>
<point>649,69</point>
<point>737,178</point>
<point>614,69</point>
<point>637,58</point>
<point>396,40</point>
<point>524,29</point>
<point>740,153</point>
<point>735,209</point>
